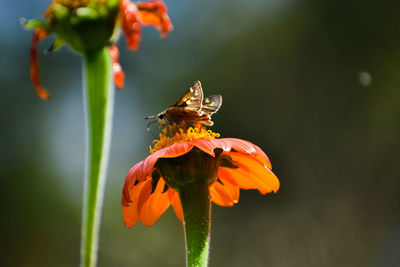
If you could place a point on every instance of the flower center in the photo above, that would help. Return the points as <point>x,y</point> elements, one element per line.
<point>73,3</point>
<point>182,133</point>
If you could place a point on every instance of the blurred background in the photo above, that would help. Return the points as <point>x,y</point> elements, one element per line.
<point>314,83</point>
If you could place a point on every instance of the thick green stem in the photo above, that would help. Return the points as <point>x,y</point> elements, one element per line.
<point>196,205</point>
<point>99,100</point>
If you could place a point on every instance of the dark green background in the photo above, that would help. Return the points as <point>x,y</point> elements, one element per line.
<point>289,72</point>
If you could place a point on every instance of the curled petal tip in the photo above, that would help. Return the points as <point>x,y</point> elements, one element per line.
<point>38,35</point>
<point>43,93</point>
<point>119,75</point>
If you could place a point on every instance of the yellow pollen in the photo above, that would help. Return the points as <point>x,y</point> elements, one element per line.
<point>181,135</point>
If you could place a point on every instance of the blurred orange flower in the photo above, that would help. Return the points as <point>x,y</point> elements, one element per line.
<point>133,16</point>
<point>150,13</point>
<point>240,165</point>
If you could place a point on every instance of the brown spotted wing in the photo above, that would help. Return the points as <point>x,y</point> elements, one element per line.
<point>191,107</point>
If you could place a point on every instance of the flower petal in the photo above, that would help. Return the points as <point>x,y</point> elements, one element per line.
<point>38,35</point>
<point>249,148</point>
<point>233,189</point>
<point>248,162</point>
<point>133,203</point>
<point>175,150</point>
<point>155,205</point>
<point>119,75</point>
<point>131,23</point>
<point>206,144</point>
<point>136,173</point>
<point>130,215</point>
<point>250,174</point>
<point>143,169</point>
<point>176,203</point>
<point>154,13</point>
<point>227,144</point>
<point>220,195</point>
<point>131,195</point>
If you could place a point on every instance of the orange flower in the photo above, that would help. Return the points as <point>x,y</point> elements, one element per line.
<point>150,13</point>
<point>133,15</point>
<point>231,163</point>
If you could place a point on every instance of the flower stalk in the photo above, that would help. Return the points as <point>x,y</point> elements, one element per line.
<point>91,28</point>
<point>196,205</point>
<point>99,100</point>
<point>191,176</point>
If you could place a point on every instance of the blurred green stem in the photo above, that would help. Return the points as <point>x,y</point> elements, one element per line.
<point>196,205</point>
<point>99,100</point>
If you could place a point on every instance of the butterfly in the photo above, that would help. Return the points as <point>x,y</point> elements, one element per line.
<point>191,107</point>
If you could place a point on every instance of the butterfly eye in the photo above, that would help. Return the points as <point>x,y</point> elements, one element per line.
<point>161,116</point>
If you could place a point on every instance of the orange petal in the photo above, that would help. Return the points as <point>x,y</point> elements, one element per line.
<point>155,205</point>
<point>154,13</point>
<point>119,75</point>
<point>144,195</point>
<point>38,35</point>
<point>251,164</point>
<point>206,144</point>
<point>130,215</point>
<point>246,147</point>
<point>220,196</point>
<point>131,23</point>
<point>132,205</point>
<point>135,174</point>
<point>232,189</point>
<point>175,150</point>
<point>227,144</point>
<point>143,169</point>
<point>250,174</point>
<point>228,174</point>
<point>176,203</point>
<point>132,194</point>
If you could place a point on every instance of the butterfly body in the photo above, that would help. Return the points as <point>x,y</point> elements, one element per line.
<point>191,107</point>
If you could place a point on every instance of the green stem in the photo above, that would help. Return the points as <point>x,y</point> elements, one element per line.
<point>196,205</point>
<point>99,100</point>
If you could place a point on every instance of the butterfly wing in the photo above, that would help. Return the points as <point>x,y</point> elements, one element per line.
<point>192,99</point>
<point>177,115</point>
<point>211,104</point>
<point>177,112</point>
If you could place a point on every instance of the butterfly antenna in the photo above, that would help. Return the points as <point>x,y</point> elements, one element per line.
<point>149,117</point>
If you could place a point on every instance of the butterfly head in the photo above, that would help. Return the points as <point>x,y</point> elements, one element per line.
<point>161,118</point>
